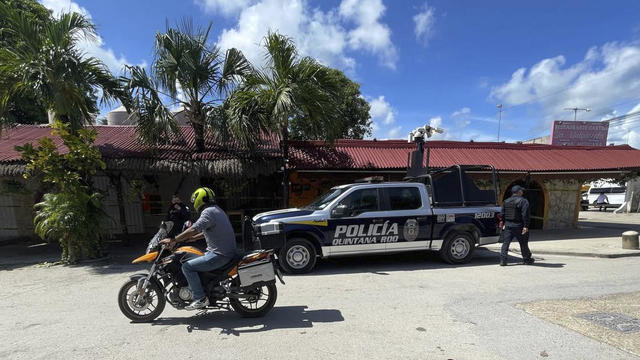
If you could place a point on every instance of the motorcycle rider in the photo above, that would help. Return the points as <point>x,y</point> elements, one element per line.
<point>214,224</point>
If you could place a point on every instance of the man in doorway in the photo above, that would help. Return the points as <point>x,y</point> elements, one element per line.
<point>178,213</point>
<point>602,201</point>
<point>515,213</point>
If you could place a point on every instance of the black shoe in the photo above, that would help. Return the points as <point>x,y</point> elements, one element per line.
<point>529,261</point>
<point>503,262</point>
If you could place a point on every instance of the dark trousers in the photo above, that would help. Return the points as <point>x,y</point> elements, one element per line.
<point>508,234</point>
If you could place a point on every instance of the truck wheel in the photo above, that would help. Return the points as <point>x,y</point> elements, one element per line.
<point>457,248</point>
<point>298,256</point>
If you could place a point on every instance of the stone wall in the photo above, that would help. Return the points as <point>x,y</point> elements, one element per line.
<point>632,196</point>
<point>562,203</point>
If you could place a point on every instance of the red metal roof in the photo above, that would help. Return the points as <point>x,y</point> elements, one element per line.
<point>122,142</point>
<point>392,154</point>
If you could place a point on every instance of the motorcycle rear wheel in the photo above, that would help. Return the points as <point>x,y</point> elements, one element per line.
<point>127,305</point>
<point>245,307</point>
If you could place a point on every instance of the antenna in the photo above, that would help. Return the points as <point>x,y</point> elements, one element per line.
<point>575,111</point>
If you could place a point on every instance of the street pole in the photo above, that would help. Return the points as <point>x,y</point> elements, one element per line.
<point>499,106</point>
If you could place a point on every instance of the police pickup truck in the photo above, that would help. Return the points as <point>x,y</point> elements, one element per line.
<point>442,211</point>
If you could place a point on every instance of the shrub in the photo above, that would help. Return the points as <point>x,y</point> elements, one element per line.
<point>71,211</point>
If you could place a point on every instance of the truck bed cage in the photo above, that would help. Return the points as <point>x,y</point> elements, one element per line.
<point>453,186</point>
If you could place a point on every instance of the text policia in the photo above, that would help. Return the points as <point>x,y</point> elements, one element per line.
<point>362,234</point>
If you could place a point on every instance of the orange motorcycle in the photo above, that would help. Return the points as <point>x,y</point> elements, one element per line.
<point>246,284</point>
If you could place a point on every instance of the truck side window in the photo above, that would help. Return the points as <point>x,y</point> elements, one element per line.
<point>361,201</point>
<point>404,198</point>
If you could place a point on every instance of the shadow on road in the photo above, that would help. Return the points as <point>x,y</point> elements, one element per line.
<point>382,264</point>
<point>230,323</point>
<point>120,256</point>
<point>538,264</point>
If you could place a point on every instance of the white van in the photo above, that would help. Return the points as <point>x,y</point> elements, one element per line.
<point>614,192</point>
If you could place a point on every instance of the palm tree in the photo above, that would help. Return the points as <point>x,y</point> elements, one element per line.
<point>188,72</point>
<point>45,63</point>
<point>288,86</point>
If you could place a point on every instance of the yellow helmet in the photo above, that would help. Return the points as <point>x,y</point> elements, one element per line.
<point>201,197</point>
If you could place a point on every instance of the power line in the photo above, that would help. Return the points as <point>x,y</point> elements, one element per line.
<point>623,117</point>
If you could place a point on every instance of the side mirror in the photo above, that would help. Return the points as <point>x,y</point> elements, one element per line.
<point>339,211</point>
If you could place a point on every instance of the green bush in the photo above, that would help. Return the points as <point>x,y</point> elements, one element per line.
<point>71,211</point>
<point>74,220</point>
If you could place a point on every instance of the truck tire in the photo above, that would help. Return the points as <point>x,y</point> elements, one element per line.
<point>298,256</point>
<point>457,248</point>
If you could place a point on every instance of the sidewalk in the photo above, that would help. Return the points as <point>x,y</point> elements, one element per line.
<point>598,235</point>
<point>34,252</point>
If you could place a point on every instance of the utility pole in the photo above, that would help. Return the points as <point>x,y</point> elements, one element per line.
<point>499,106</point>
<point>575,111</point>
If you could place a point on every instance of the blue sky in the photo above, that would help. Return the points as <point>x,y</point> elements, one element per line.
<point>448,63</point>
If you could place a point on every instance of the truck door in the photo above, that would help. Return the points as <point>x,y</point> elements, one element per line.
<point>404,209</point>
<point>355,224</point>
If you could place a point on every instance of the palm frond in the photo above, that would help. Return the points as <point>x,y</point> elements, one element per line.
<point>236,67</point>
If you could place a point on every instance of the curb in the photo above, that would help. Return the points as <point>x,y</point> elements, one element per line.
<point>581,254</point>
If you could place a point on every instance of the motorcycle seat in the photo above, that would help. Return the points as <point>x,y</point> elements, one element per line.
<point>222,270</point>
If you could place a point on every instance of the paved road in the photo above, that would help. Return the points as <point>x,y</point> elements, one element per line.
<point>405,306</point>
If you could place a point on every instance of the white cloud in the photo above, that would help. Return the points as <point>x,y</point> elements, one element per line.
<point>226,7</point>
<point>395,132</point>
<point>383,117</point>
<point>95,48</point>
<point>435,121</point>
<point>457,128</point>
<point>606,77</point>
<point>381,111</point>
<point>315,33</point>
<point>370,34</point>
<point>424,23</point>
<point>329,36</point>
<point>634,109</point>
<point>463,111</point>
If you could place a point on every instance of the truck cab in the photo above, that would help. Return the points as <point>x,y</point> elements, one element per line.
<point>378,217</point>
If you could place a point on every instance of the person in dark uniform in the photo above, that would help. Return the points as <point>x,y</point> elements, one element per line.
<point>179,213</point>
<point>515,214</point>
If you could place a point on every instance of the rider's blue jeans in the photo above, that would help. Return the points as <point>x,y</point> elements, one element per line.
<point>208,262</point>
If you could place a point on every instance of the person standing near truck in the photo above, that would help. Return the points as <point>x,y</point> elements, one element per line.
<point>515,213</point>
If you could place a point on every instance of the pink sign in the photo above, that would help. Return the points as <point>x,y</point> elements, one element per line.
<point>580,133</point>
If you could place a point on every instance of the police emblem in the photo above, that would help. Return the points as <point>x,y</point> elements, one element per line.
<point>411,230</point>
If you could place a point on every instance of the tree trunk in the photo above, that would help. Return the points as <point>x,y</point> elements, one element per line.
<point>197,118</point>
<point>285,164</point>
<point>198,133</point>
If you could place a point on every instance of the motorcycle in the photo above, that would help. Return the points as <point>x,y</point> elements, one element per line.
<point>246,284</point>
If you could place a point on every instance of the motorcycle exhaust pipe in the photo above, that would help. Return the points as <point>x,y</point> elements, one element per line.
<point>239,296</point>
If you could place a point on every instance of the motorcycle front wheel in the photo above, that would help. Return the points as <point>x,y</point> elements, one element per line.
<point>138,309</point>
<point>262,299</point>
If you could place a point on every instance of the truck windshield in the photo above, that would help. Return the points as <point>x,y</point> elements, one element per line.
<point>324,200</point>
